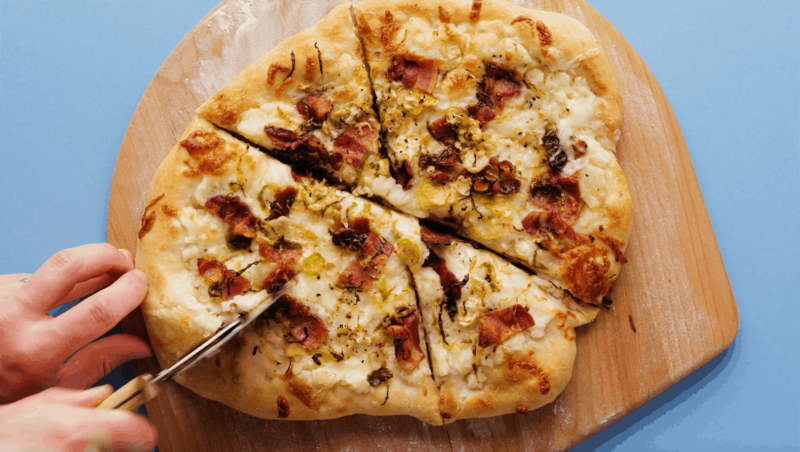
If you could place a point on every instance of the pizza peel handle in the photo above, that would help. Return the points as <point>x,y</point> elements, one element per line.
<point>141,389</point>
<point>131,396</point>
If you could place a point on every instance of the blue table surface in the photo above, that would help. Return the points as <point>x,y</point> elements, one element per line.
<point>72,72</point>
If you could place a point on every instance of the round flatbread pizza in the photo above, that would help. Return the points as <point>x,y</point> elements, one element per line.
<point>438,180</point>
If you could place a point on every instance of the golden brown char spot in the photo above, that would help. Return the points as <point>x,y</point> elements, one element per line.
<point>148,220</point>
<point>304,393</point>
<point>614,244</point>
<point>545,38</point>
<point>445,415</point>
<point>283,407</point>
<point>388,30</point>
<point>311,69</point>
<point>528,21</point>
<point>475,12</point>
<point>522,409</point>
<point>521,369</point>
<point>444,17</point>
<point>169,211</point>
<point>200,142</point>
<point>274,68</point>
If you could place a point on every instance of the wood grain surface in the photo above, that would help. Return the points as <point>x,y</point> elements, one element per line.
<point>673,305</point>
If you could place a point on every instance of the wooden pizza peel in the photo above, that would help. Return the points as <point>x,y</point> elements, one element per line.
<point>674,309</point>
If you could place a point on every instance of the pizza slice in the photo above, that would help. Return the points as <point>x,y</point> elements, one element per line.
<point>307,101</point>
<point>225,226</point>
<point>501,340</point>
<point>503,123</point>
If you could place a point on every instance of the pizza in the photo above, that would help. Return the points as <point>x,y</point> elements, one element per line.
<point>439,180</point>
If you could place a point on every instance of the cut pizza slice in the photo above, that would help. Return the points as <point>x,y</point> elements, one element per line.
<point>225,226</point>
<point>502,122</point>
<point>501,340</point>
<point>307,101</point>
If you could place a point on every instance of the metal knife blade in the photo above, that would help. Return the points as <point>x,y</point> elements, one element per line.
<point>224,334</point>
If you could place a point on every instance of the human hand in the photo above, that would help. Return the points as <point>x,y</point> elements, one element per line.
<point>35,347</point>
<point>58,419</point>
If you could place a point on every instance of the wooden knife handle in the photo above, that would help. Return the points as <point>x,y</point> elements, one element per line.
<point>131,396</point>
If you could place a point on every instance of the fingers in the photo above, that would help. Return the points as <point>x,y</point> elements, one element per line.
<point>57,276</point>
<point>95,315</point>
<point>85,288</point>
<point>118,430</point>
<point>89,397</point>
<point>11,283</point>
<point>97,359</point>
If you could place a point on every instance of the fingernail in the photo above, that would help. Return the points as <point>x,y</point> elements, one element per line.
<point>127,254</point>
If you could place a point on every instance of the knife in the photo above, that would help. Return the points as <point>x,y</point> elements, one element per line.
<point>142,388</point>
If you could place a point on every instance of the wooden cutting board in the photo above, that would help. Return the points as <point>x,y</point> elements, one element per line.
<point>673,305</point>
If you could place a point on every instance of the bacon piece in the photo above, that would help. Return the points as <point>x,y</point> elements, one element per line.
<point>402,175</point>
<point>235,213</point>
<point>443,132</point>
<point>222,282</point>
<point>283,203</point>
<point>413,72</point>
<point>444,165</point>
<point>282,138</point>
<point>570,184</point>
<point>353,144</point>
<point>499,177</point>
<point>499,81</point>
<point>580,148</point>
<point>379,261</point>
<point>302,152</point>
<point>434,238</point>
<point>314,108</point>
<point>450,285</point>
<point>371,247</point>
<point>497,326</point>
<point>304,326</point>
<point>354,277</point>
<point>405,331</point>
<point>480,113</point>
<point>287,260</point>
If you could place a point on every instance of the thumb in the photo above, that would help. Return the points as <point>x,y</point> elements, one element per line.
<point>88,398</point>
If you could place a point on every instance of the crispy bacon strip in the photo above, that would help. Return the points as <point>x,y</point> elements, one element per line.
<point>497,326</point>
<point>450,285</point>
<point>235,213</point>
<point>314,108</point>
<point>413,72</point>
<point>480,113</point>
<point>301,152</point>
<point>374,253</point>
<point>284,199</point>
<point>434,238</point>
<point>405,330</point>
<point>499,81</point>
<point>223,283</point>
<point>304,326</point>
<point>443,132</point>
<point>354,277</point>
<point>353,144</point>
<point>444,165</point>
<point>287,260</point>
<point>402,175</point>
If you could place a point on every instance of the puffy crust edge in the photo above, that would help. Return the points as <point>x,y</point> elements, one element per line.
<point>175,332</point>
<point>219,381</point>
<point>334,35</point>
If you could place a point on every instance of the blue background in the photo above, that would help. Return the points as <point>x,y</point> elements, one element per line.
<point>72,72</point>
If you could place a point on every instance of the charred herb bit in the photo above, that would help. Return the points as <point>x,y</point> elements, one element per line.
<point>319,57</point>
<point>292,71</point>
<point>379,376</point>
<point>349,239</point>
<point>556,157</point>
<point>316,358</point>
<point>255,349</point>
<point>237,242</point>
<point>498,178</point>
